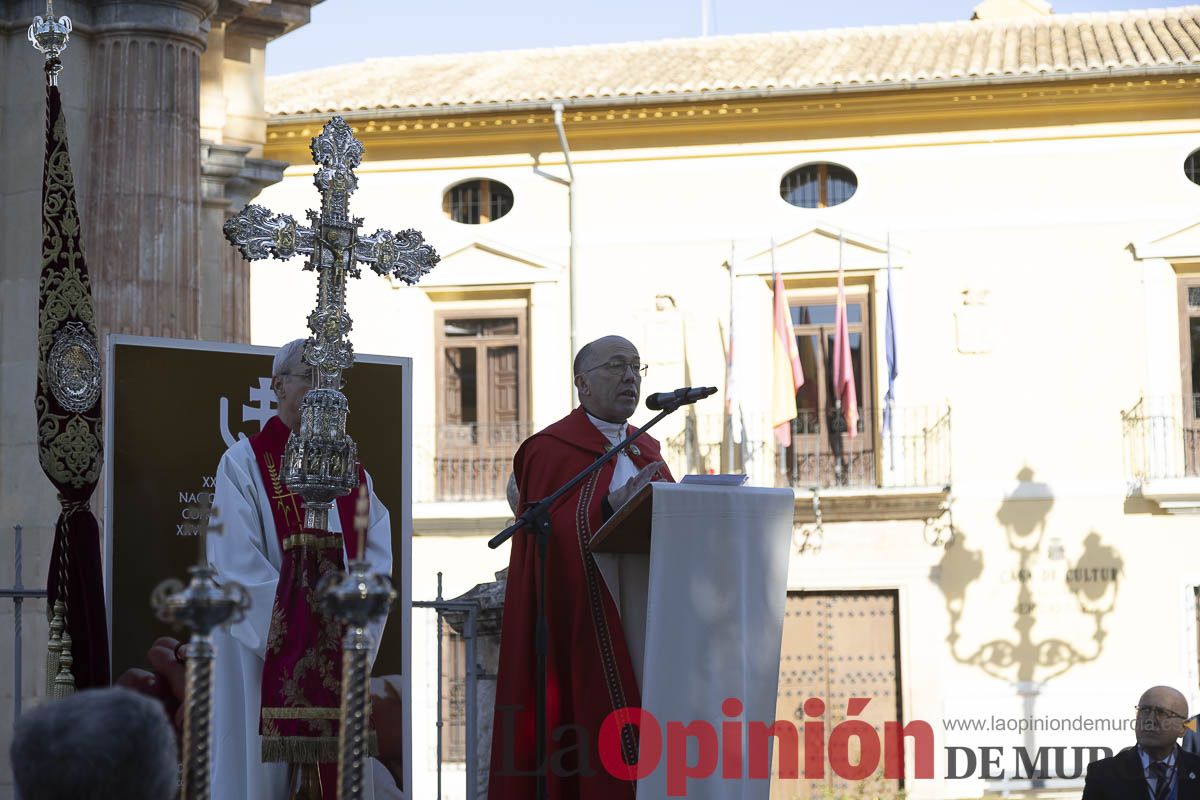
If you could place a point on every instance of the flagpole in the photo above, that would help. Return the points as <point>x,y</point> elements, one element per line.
<point>780,451</point>
<point>729,460</point>
<point>889,345</point>
<point>838,469</point>
<point>841,288</point>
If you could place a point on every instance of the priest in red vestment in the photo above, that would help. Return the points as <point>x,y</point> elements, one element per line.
<point>589,672</point>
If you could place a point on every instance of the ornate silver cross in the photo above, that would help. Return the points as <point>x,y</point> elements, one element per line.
<point>321,463</point>
<point>333,245</point>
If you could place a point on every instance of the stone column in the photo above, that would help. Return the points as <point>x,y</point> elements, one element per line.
<point>229,181</point>
<point>222,285</point>
<point>143,223</point>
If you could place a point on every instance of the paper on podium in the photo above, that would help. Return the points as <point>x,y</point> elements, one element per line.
<point>706,622</point>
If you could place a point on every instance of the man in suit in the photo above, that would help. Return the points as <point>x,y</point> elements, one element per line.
<point>1157,769</point>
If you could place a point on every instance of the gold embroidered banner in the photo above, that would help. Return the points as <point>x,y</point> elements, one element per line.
<point>68,422</point>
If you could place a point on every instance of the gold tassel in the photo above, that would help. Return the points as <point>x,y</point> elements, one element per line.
<point>300,749</point>
<point>59,680</point>
<point>64,681</point>
<point>308,749</point>
<point>54,647</point>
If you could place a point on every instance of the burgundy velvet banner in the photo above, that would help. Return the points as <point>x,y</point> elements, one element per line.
<point>68,407</point>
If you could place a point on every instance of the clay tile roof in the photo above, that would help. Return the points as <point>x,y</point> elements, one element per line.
<point>1005,50</point>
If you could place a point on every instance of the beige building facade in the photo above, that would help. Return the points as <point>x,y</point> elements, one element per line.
<point>1016,552</point>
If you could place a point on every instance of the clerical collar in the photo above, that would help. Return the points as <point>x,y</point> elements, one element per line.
<point>613,431</point>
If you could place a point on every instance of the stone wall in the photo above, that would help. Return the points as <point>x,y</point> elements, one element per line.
<point>164,109</point>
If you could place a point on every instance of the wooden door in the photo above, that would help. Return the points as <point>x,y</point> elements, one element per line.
<point>838,645</point>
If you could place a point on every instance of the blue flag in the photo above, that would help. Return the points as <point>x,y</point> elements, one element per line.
<point>889,345</point>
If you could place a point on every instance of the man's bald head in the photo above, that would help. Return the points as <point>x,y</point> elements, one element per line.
<point>594,353</point>
<point>1162,711</point>
<point>608,377</point>
<point>1165,697</point>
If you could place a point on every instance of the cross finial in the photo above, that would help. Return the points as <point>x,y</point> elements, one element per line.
<point>50,36</point>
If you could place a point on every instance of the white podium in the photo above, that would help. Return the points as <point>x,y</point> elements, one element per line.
<point>699,575</point>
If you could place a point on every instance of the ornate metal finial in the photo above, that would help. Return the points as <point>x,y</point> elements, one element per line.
<point>202,606</point>
<point>50,36</point>
<point>357,597</point>
<point>320,464</point>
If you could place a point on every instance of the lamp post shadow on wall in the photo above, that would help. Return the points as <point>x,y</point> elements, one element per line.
<point>1022,661</point>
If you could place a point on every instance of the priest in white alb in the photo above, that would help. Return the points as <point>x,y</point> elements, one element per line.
<point>277,674</point>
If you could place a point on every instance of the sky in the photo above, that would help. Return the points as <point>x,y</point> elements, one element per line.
<point>346,31</point>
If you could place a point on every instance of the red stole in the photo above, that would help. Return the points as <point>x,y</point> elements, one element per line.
<point>589,671</point>
<point>302,674</point>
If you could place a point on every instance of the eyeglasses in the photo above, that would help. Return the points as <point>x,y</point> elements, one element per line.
<point>302,376</point>
<point>1159,713</point>
<point>616,368</point>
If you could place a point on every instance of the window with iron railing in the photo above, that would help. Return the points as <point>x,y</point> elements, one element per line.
<point>822,452</point>
<point>482,400</point>
<point>1189,320</point>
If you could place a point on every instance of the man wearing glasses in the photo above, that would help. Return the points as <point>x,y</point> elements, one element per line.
<point>276,695</point>
<point>590,673</point>
<point>1157,769</point>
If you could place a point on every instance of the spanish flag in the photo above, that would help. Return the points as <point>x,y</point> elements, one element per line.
<point>786,374</point>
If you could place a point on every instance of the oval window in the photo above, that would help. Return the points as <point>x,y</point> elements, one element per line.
<point>818,185</point>
<point>1191,167</point>
<point>476,202</point>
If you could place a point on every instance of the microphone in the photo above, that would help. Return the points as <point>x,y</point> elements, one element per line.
<point>680,397</point>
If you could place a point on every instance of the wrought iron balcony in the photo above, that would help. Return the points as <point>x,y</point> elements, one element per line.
<point>1162,439</point>
<point>914,452</point>
<point>472,462</point>
<point>469,461</point>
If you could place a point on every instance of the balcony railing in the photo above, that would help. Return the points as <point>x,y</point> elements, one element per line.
<point>913,452</point>
<point>1162,439</point>
<point>467,462</point>
<point>473,461</point>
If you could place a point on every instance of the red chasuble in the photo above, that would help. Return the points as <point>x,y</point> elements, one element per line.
<point>589,672</point>
<point>302,674</point>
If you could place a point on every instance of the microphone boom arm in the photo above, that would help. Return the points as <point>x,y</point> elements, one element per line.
<point>543,507</point>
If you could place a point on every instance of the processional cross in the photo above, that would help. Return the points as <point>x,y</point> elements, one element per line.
<point>321,463</point>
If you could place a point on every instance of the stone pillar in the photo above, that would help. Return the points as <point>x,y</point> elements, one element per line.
<point>131,86</point>
<point>229,181</point>
<point>143,223</point>
<point>233,127</point>
<point>224,287</point>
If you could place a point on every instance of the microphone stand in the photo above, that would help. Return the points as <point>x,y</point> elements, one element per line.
<point>537,518</point>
